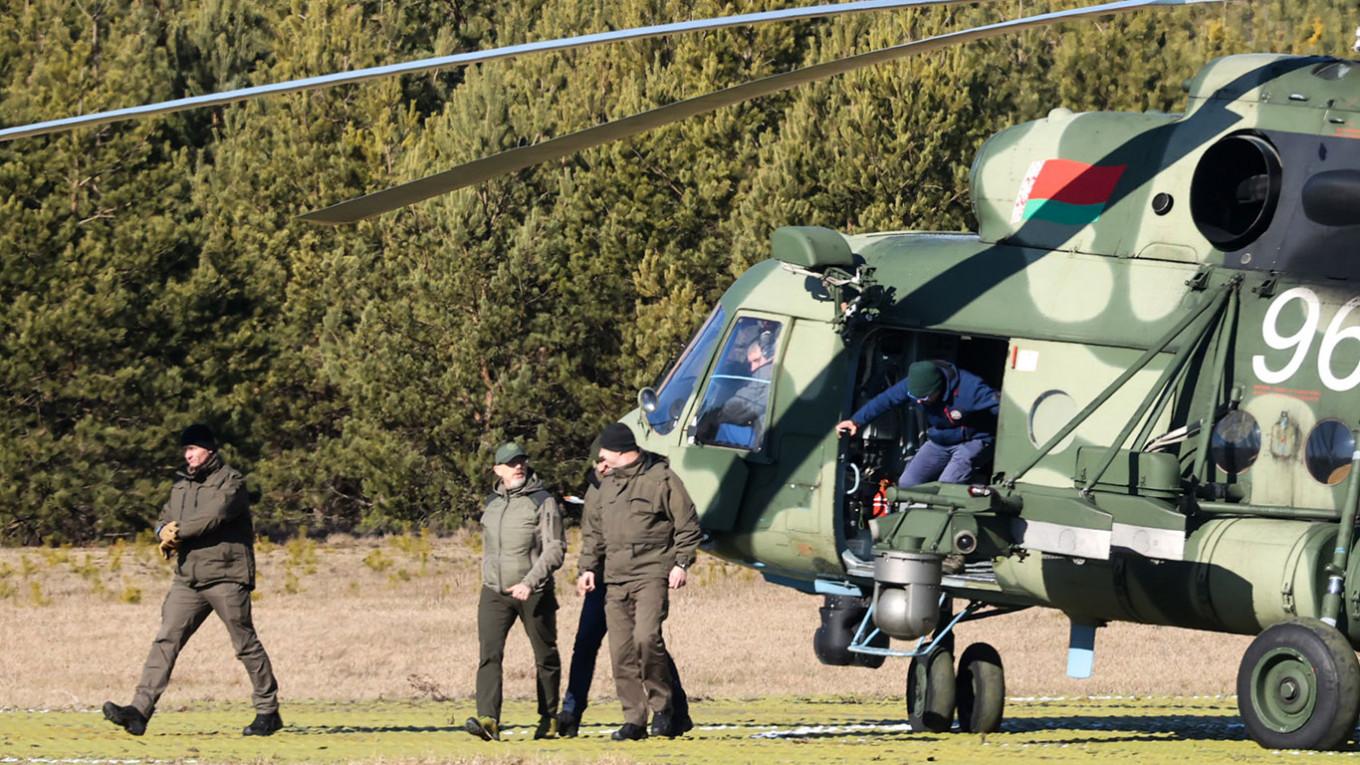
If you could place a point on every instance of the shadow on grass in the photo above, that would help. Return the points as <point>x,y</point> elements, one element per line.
<point>340,730</point>
<point>1142,727</point>
<point>1066,729</point>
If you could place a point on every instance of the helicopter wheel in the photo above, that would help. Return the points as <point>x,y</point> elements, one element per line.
<point>930,691</point>
<point>1299,686</point>
<point>980,689</point>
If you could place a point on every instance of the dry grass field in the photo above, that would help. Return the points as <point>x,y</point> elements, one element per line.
<point>394,620</point>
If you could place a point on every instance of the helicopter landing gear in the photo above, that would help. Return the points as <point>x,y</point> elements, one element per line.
<point>977,691</point>
<point>1299,686</point>
<point>980,689</point>
<point>930,690</point>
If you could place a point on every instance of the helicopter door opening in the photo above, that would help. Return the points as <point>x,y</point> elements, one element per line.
<point>879,453</point>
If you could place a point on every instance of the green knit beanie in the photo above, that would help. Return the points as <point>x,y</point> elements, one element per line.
<point>924,379</point>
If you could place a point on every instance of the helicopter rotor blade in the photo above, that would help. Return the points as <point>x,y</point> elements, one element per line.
<point>511,160</point>
<point>461,59</point>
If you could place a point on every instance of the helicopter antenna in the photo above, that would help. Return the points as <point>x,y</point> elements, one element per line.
<point>461,59</point>
<point>379,202</point>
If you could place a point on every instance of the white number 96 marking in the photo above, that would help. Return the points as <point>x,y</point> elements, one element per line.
<point>1302,340</point>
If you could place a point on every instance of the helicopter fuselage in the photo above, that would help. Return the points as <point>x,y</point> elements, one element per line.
<point>1164,303</point>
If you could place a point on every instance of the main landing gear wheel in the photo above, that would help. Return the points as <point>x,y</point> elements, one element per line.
<point>980,689</point>
<point>1299,686</point>
<point>930,691</point>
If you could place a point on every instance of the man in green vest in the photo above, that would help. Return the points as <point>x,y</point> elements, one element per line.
<point>206,528</point>
<point>522,546</point>
<point>642,526</point>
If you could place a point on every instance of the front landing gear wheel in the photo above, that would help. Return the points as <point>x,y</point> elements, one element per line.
<point>930,691</point>
<point>981,689</point>
<point>1299,686</point>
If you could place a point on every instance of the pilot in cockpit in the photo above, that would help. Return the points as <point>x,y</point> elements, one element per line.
<point>743,414</point>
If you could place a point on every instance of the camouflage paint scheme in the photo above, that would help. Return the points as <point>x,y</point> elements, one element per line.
<point>1075,302</point>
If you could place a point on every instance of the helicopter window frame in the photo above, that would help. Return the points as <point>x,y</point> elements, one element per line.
<point>682,379</point>
<point>1241,452</point>
<point>736,342</point>
<point>1037,418</point>
<point>1336,476</point>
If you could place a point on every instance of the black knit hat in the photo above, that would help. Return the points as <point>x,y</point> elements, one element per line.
<point>617,437</point>
<point>199,434</point>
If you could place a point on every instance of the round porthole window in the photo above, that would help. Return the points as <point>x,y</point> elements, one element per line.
<point>1051,411</point>
<point>1236,442</point>
<point>1329,450</point>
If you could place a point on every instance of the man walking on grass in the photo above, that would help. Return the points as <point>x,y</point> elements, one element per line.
<point>642,527</point>
<point>590,632</point>
<point>206,528</point>
<point>522,546</point>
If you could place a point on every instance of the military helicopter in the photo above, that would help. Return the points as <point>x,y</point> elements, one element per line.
<point>1163,302</point>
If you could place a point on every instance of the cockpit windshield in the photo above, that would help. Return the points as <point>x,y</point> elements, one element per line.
<point>679,382</point>
<point>735,411</point>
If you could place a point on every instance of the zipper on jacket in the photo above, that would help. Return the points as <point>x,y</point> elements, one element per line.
<point>500,543</point>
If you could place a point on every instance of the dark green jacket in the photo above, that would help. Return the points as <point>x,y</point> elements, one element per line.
<point>217,541</point>
<point>640,522</point>
<point>522,540</point>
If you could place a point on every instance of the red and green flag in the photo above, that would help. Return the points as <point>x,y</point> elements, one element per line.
<point>1066,191</point>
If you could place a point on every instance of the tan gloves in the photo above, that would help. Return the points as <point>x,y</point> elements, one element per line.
<point>169,539</point>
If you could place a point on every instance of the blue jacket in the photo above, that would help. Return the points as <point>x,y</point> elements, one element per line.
<point>966,412</point>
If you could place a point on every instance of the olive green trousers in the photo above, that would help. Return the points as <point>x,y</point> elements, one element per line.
<point>496,613</point>
<point>634,612</point>
<point>182,614</point>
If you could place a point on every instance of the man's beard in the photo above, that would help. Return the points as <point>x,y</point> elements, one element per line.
<point>514,483</point>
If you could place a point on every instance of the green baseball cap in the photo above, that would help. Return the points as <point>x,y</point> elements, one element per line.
<point>509,451</point>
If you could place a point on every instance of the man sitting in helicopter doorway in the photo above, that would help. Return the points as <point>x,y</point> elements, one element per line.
<point>960,410</point>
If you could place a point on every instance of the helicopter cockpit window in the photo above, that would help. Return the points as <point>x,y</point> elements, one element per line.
<point>735,409</point>
<point>1236,442</point>
<point>678,382</point>
<point>1329,450</point>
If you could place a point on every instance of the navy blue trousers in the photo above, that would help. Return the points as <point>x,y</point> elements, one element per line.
<point>946,464</point>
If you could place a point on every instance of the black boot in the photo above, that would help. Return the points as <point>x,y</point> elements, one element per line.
<point>547,727</point>
<point>661,725</point>
<point>568,725</point>
<point>485,728</point>
<point>128,718</point>
<point>629,732</point>
<point>263,725</point>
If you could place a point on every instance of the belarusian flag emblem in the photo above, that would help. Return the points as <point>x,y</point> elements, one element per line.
<point>1065,191</point>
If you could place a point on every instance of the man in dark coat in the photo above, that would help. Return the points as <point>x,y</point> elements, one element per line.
<point>205,526</point>
<point>591,629</point>
<point>642,526</point>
